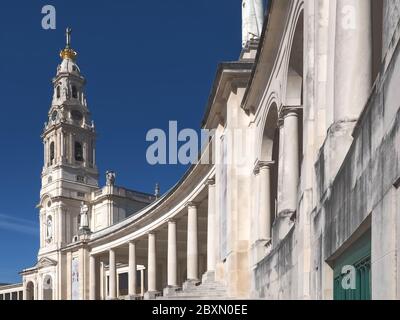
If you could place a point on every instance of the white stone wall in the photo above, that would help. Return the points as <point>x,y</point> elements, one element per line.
<point>339,199</point>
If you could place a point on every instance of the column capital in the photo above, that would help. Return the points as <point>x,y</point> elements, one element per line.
<point>191,204</point>
<point>210,182</point>
<point>262,165</point>
<point>171,220</point>
<point>289,111</point>
<point>132,242</point>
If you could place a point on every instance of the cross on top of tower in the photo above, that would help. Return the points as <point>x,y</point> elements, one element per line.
<point>68,32</point>
<point>68,52</point>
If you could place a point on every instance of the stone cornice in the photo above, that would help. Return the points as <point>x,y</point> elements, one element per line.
<point>230,75</point>
<point>72,129</point>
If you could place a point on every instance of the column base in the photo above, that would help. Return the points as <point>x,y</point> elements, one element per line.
<point>333,152</point>
<point>208,276</point>
<point>282,225</point>
<point>190,283</point>
<point>171,290</point>
<point>259,250</point>
<point>151,295</point>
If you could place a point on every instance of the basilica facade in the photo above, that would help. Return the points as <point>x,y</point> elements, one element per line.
<point>296,195</point>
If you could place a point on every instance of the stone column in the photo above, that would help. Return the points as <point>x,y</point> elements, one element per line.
<point>102,284</point>
<point>25,291</point>
<point>62,146</point>
<point>172,255</point>
<point>152,264</point>
<point>71,149</point>
<point>85,154</point>
<point>92,277</point>
<point>132,269</point>
<point>59,141</point>
<point>211,230</point>
<point>142,282</point>
<point>353,58</point>
<point>83,273</point>
<point>192,244</point>
<point>291,172</point>
<point>45,153</point>
<point>264,215</point>
<point>113,275</point>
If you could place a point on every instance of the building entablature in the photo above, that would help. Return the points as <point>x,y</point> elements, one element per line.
<point>115,192</point>
<point>71,125</point>
<point>69,75</point>
<point>10,288</point>
<point>230,75</point>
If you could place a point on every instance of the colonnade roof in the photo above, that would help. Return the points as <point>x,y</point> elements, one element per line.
<point>171,203</point>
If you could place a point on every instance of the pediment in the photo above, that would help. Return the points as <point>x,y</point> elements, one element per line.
<point>46,262</point>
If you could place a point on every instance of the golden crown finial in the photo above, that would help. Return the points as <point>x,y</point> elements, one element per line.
<point>68,52</point>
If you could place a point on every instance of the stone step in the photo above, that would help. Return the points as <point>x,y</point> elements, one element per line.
<point>202,292</point>
<point>199,292</point>
<point>193,298</point>
<point>214,287</point>
<point>205,293</point>
<point>207,289</point>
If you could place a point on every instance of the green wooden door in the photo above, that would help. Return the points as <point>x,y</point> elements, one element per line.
<point>359,257</point>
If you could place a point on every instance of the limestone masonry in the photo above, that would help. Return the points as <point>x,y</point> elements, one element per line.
<point>312,213</point>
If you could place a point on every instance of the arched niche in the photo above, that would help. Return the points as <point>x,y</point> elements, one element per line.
<point>30,291</point>
<point>270,153</point>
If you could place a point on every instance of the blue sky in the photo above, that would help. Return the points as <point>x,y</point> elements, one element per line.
<point>146,63</point>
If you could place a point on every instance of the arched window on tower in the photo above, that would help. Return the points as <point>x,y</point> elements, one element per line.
<point>78,151</point>
<point>74,92</point>
<point>51,153</point>
<point>58,92</point>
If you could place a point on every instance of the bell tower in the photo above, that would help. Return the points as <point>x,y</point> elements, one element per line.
<point>69,172</point>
